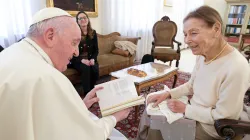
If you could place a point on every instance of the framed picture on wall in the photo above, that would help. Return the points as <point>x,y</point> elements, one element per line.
<point>168,3</point>
<point>74,6</point>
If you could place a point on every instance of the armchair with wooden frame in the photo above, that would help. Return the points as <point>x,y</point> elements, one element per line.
<point>229,128</point>
<point>164,32</point>
<point>244,46</point>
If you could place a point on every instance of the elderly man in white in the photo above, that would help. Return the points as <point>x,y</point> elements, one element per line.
<point>37,102</point>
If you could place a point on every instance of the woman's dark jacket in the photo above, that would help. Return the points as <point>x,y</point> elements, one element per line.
<point>92,49</point>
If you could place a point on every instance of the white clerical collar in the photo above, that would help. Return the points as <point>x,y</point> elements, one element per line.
<point>39,50</point>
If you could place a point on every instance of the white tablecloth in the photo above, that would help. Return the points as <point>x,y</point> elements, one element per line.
<point>152,70</point>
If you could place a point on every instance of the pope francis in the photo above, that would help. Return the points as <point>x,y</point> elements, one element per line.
<point>37,102</point>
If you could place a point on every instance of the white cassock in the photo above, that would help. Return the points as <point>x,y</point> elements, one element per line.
<point>37,102</point>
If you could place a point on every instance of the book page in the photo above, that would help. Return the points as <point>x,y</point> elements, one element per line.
<point>116,92</point>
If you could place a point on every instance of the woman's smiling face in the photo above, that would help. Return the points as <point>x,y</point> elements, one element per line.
<point>198,36</point>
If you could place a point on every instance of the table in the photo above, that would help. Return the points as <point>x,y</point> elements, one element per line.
<point>167,72</point>
<point>155,73</point>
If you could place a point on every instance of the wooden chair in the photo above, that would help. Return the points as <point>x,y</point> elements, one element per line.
<point>246,52</point>
<point>229,128</point>
<point>164,32</point>
<point>245,48</point>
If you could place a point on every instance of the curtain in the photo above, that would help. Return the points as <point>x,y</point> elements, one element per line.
<point>132,18</point>
<point>16,16</point>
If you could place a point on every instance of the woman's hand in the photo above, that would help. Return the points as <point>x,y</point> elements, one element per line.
<point>91,98</point>
<point>158,98</point>
<point>92,62</point>
<point>176,106</point>
<point>86,62</point>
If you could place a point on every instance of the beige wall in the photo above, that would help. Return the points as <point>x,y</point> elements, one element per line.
<point>96,22</point>
<point>219,5</point>
<point>167,11</point>
<point>37,5</point>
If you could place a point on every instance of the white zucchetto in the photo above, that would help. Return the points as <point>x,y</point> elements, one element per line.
<point>48,13</point>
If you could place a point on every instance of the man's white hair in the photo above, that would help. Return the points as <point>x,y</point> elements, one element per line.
<point>57,23</point>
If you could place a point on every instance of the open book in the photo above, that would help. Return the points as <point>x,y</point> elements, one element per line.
<point>117,95</point>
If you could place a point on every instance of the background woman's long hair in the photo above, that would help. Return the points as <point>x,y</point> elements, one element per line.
<point>90,31</point>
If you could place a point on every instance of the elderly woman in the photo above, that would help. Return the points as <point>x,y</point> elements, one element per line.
<point>219,80</point>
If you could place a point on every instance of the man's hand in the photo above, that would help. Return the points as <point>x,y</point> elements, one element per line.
<point>158,98</point>
<point>176,106</point>
<point>91,98</point>
<point>122,114</point>
<point>92,62</point>
<point>86,62</point>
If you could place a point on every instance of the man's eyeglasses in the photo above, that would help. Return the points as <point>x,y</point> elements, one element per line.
<point>82,18</point>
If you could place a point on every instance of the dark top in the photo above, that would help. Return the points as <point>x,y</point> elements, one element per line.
<point>89,45</point>
<point>1,48</point>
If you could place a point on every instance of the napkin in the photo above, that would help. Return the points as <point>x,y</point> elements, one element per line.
<point>162,109</point>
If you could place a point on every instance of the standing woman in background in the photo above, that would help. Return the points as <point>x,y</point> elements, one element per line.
<point>86,63</point>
